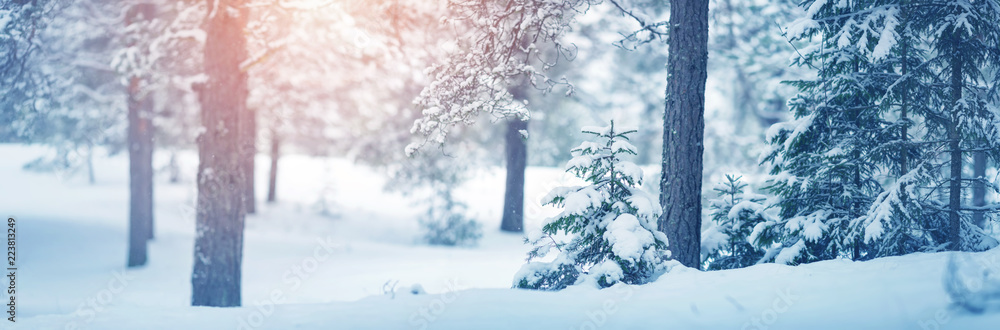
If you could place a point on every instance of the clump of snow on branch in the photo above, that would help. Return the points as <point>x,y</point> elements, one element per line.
<point>501,49</point>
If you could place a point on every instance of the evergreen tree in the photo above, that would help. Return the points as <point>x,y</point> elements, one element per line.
<point>901,220</point>
<point>855,171</point>
<point>611,221</point>
<point>926,94</point>
<point>724,245</point>
<point>21,80</point>
<point>965,38</point>
<point>824,164</point>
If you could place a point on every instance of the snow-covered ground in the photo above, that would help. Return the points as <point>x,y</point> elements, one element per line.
<point>307,270</point>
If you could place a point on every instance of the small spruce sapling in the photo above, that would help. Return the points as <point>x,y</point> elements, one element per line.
<point>726,244</point>
<point>446,223</point>
<point>610,222</point>
<point>446,220</point>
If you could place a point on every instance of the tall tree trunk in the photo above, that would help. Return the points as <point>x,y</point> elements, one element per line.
<point>683,130</point>
<point>218,248</point>
<point>979,187</point>
<point>955,148</point>
<point>517,162</point>
<point>140,152</point>
<point>856,208</point>
<point>904,120</point>
<point>903,111</point>
<point>272,179</point>
<point>249,132</point>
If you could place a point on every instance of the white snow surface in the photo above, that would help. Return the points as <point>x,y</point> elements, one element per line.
<point>72,249</point>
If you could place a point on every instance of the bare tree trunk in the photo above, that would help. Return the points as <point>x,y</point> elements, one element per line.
<point>218,248</point>
<point>517,156</point>
<point>272,180</point>
<point>979,187</point>
<point>683,130</point>
<point>903,111</point>
<point>140,152</point>
<point>249,132</point>
<point>955,150</point>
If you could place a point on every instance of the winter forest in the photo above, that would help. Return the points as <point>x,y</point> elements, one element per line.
<point>500,164</point>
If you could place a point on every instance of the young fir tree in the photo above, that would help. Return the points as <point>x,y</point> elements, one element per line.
<point>821,164</point>
<point>724,245</point>
<point>611,222</point>
<point>965,38</point>
<point>901,219</point>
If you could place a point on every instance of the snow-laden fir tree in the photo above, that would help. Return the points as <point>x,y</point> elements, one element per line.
<point>857,170</point>
<point>502,44</point>
<point>724,245</point>
<point>22,80</point>
<point>939,93</point>
<point>901,219</point>
<point>965,38</point>
<point>821,163</point>
<point>610,222</point>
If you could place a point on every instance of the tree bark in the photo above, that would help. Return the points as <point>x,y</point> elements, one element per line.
<point>249,137</point>
<point>955,148</point>
<point>218,249</point>
<point>683,130</point>
<point>979,187</point>
<point>140,152</point>
<point>517,157</point>
<point>904,136</point>
<point>272,180</point>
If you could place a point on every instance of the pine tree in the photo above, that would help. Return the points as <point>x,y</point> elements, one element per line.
<point>822,164</point>
<point>724,245</point>
<point>22,82</point>
<point>901,220</point>
<point>611,221</point>
<point>965,38</point>
<point>888,109</point>
<point>216,278</point>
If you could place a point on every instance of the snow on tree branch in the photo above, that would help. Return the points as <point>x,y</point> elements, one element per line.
<point>504,48</point>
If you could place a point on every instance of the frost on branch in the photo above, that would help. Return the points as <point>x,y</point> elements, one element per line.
<point>611,222</point>
<point>500,50</point>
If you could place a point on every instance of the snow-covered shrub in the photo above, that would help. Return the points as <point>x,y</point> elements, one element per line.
<point>447,224</point>
<point>611,222</point>
<point>726,244</point>
<point>431,176</point>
